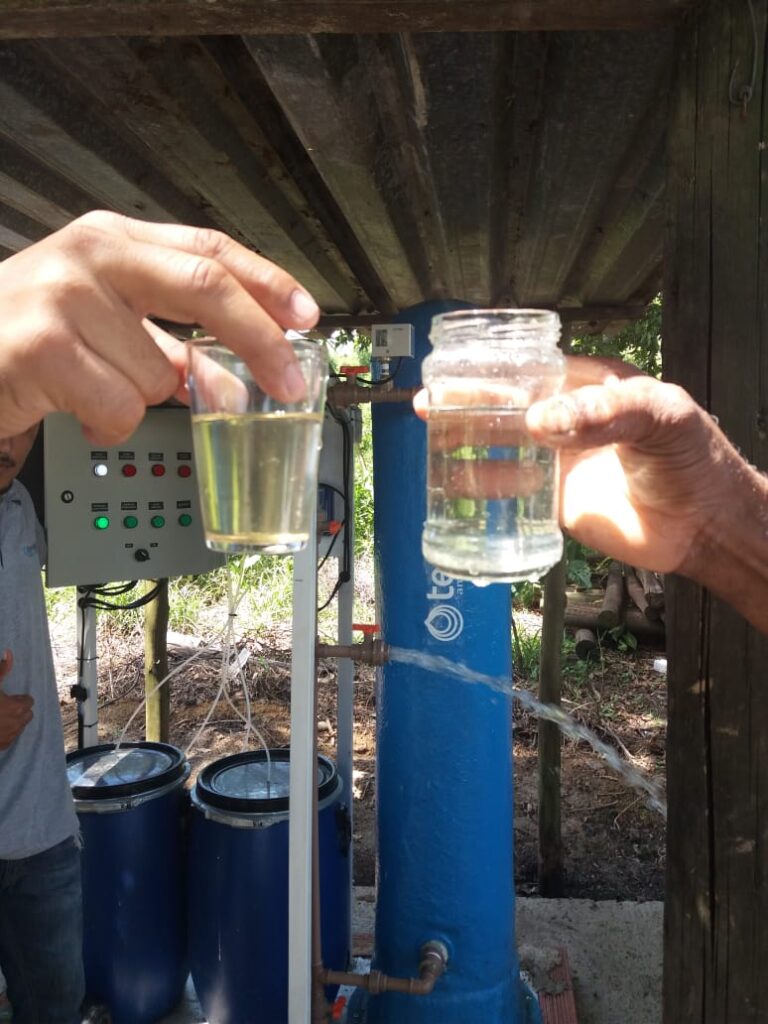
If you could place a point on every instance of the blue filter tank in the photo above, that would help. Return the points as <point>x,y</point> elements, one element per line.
<point>444,753</point>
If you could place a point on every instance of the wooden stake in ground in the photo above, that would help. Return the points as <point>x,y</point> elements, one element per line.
<point>158,709</point>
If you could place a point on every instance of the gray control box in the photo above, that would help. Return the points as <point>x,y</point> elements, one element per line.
<point>126,512</point>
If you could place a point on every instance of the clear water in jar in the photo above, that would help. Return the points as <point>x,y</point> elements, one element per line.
<point>491,496</point>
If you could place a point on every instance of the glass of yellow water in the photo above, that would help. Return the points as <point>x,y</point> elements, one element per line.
<point>256,457</point>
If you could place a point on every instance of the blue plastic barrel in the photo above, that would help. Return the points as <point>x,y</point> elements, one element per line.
<point>238,885</point>
<point>132,807</point>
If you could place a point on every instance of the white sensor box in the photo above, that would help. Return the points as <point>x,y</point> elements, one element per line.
<point>391,341</point>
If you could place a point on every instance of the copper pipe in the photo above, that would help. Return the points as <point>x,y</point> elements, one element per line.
<point>349,393</point>
<point>370,652</point>
<point>432,965</point>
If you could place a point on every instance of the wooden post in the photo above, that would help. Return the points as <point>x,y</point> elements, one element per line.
<point>158,711</point>
<point>716,346</point>
<point>613,602</point>
<point>550,838</point>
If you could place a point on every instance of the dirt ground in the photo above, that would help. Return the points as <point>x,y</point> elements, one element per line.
<point>613,844</point>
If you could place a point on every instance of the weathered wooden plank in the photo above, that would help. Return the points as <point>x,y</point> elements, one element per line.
<point>318,203</point>
<point>178,103</point>
<point>584,616</point>
<point>59,18</point>
<point>521,75</point>
<point>46,112</point>
<point>451,78</point>
<point>578,157</point>
<point>35,190</point>
<point>715,331</point>
<point>569,315</point>
<point>635,193</point>
<point>328,95</point>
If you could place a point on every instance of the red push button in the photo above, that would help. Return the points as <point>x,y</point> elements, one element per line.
<point>129,469</point>
<point>158,469</point>
<point>185,470</point>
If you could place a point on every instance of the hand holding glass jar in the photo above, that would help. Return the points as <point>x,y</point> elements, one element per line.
<point>491,490</point>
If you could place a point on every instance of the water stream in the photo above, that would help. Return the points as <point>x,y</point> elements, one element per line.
<point>568,725</point>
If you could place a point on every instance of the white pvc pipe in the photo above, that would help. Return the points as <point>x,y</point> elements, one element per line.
<point>303,778</point>
<point>345,679</point>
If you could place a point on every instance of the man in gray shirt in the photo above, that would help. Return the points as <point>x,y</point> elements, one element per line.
<point>40,895</point>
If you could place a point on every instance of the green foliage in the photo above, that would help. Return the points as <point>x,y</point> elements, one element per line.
<point>364,487</point>
<point>526,595</point>
<point>625,641</point>
<point>639,343</point>
<point>527,648</point>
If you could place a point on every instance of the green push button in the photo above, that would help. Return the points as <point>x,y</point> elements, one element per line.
<point>101,522</point>
<point>185,519</point>
<point>130,522</point>
<point>157,521</point>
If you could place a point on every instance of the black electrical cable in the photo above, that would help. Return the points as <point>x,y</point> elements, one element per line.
<point>94,597</point>
<point>382,380</point>
<point>347,450</point>
<point>334,592</point>
<point>343,525</point>
<point>331,546</point>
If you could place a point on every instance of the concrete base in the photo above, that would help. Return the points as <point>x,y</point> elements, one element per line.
<point>615,953</point>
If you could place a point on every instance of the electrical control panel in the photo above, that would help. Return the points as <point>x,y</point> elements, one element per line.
<point>126,512</point>
<point>391,341</point>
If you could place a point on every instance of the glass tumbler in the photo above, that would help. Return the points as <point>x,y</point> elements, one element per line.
<point>257,458</point>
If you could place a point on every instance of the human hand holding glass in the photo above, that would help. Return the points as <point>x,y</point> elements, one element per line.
<point>257,457</point>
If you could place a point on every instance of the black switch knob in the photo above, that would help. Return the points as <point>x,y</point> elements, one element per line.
<point>141,555</point>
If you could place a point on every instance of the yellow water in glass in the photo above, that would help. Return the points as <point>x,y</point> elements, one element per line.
<point>257,473</point>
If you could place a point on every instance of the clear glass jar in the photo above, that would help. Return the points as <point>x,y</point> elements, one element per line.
<point>492,494</point>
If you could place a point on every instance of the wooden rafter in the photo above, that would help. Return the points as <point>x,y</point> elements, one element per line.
<point>57,18</point>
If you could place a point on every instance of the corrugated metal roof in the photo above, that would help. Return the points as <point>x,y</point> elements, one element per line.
<point>502,168</point>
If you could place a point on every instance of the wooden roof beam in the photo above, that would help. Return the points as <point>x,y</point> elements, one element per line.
<point>59,18</point>
<point>581,315</point>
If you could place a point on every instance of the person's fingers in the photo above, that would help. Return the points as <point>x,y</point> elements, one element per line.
<point>6,664</point>
<point>73,378</point>
<point>112,331</point>
<point>421,403</point>
<point>20,705</point>
<point>635,411</point>
<point>583,370</point>
<point>275,289</point>
<point>177,285</point>
<point>465,428</point>
<point>213,388</point>
<point>175,351</point>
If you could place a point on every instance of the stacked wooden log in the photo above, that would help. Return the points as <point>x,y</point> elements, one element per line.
<point>633,598</point>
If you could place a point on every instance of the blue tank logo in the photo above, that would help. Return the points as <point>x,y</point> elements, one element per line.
<point>444,622</point>
<point>29,550</point>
